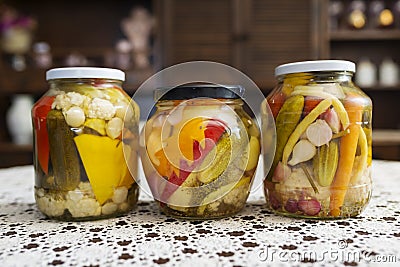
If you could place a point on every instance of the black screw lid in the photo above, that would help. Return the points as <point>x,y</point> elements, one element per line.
<point>189,91</point>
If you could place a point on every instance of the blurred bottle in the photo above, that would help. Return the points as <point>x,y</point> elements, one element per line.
<point>42,55</point>
<point>19,121</point>
<point>388,73</point>
<point>380,15</point>
<point>366,73</point>
<point>356,18</point>
<point>335,14</point>
<point>396,13</point>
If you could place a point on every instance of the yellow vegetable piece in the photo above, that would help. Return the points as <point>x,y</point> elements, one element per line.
<point>104,163</point>
<point>192,130</point>
<point>290,82</point>
<point>96,124</point>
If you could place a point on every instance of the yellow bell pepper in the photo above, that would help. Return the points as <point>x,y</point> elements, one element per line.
<point>104,163</point>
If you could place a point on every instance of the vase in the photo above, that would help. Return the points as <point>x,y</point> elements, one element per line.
<point>19,119</point>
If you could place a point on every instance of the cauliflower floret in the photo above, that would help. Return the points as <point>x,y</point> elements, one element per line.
<point>120,195</point>
<point>65,101</point>
<point>109,208</point>
<point>75,195</point>
<point>86,188</point>
<point>60,102</point>
<point>123,206</point>
<point>83,208</point>
<point>298,180</point>
<point>101,109</point>
<point>50,206</point>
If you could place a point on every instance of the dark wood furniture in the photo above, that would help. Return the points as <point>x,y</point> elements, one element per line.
<point>253,36</point>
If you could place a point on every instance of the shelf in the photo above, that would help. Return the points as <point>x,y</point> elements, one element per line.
<point>6,147</point>
<point>382,88</point>
<point>386,137</point>
<point>364,35</point>
<point>15,155</point>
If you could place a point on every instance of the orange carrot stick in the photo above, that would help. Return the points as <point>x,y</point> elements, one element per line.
<point>348,147</point>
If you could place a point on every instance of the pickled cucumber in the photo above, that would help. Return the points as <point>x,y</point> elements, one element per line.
<point>63,153</point>
<point>286,121</point>
<point>218,162</point>
<point>325,163</point>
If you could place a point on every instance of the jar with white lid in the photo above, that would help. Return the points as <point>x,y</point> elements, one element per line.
<point>85,140</point>
<point>322,162</point>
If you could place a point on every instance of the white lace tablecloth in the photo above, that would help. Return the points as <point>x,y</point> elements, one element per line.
<point>254,237</point>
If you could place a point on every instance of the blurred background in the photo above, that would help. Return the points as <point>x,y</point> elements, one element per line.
<point>142,37</point>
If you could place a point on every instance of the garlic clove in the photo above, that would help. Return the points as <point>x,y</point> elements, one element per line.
<point>319,133</point>
<point>114,127</point>
<point>332,118</point>
<point>303,151</point>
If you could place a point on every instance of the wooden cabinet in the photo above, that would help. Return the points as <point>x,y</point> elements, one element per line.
<point>254,36</point>
<point>90,28</point>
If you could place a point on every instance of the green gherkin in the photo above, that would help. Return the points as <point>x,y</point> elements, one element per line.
<point>325,163</point>
<point>63,154</point>
<point>216,163</point>
<point>285,123</point>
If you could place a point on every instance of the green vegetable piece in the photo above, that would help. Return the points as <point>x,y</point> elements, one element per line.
<point>63,153</point>
<point>325,163</point>
<point>216,163</point>
<point>286,121</point>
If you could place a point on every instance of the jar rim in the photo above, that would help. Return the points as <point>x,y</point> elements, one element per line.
<point>85,72</point>
<point>189,91</point>
<point>315,66</point>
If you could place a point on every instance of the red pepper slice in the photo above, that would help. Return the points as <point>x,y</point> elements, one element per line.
<point>39,112</point>
<point>275,102</point>
<point>310,103</point>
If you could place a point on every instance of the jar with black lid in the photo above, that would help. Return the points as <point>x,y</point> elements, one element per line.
<point>85,145</point>
<point>200,151</point>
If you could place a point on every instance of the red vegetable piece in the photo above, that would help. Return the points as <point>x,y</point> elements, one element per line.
<point>40,111</point>
<point>310,103</point>
<point>275,102</point>
<point>196,150</point>
<point>214,130</point>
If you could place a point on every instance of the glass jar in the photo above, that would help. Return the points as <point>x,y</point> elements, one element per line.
<point>85,145</point>
<point>322,163</point>
<point>200,151</point>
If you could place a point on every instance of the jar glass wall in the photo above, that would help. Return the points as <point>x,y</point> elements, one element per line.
<point>200,151</point>
<point>85,145</point>
<point>322,163</point>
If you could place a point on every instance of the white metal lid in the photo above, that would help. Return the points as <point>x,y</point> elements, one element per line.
<point>315,65</point>
<point>85,72</point>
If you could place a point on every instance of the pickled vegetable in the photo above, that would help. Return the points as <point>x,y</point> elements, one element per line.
<point>320,168</point>
<point>286,122</point>
<point>82,173</point>
<point>104,163</point>
<point>61,140</point>
<point>325,163</point>
<point>200,157</point>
